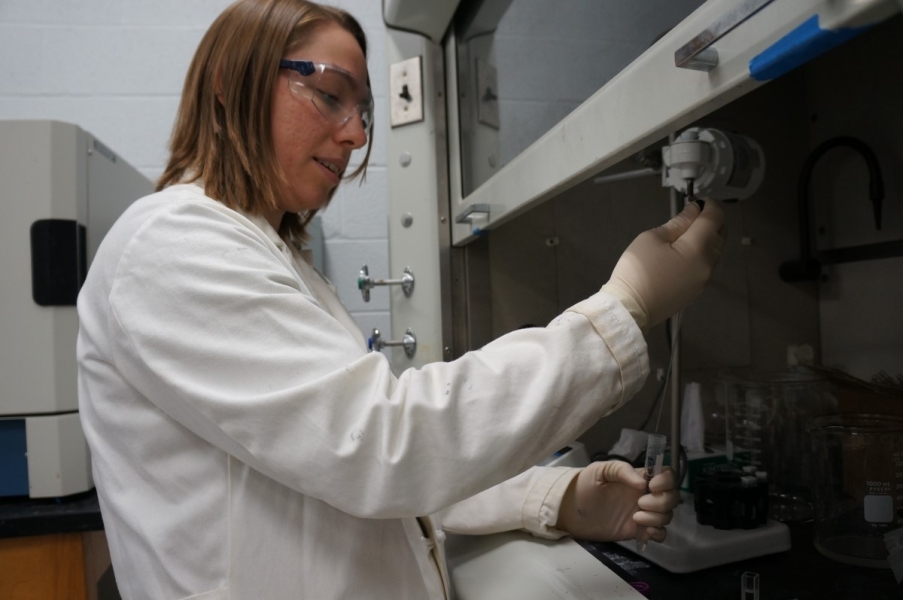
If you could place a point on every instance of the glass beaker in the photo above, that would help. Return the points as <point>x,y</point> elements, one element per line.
<point>767,416</point>
<point>858,486</point>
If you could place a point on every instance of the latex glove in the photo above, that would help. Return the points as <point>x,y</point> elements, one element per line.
<point>664,269</point>
<point>607,501</point>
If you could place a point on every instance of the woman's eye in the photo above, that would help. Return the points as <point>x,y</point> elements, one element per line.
<point>328,97</point>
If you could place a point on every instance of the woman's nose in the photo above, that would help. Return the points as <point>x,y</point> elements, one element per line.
<point>353,132</point>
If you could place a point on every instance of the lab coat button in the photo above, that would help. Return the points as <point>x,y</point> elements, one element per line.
<point>440,536</point>
<point>427,542</point>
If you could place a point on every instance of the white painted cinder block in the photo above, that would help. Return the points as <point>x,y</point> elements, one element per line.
<point>116,69</point>
<point>367,12</point>
<point>332,215</point>
<point>22,67</point>
<point>376,62</point>
<point>364,207</point>
<point>172,13</point>
<point>117,61</point>
<point>55,12</point>
<point>145,124</point>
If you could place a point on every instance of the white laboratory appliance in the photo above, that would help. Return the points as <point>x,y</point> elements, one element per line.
<point>61,190</point>
<point>505,227</point>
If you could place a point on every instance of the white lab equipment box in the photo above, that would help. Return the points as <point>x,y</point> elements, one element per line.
<point>61,190</point>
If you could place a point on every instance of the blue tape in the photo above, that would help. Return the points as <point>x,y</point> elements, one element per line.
<point>797,48</point>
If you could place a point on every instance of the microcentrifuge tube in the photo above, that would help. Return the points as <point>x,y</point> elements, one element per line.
<point>749,586</point>
<point>655,458</point>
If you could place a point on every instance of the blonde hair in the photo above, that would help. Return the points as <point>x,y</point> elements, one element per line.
<point>223,131</point>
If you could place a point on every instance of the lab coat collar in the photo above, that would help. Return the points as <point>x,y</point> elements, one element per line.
<point>259,221</point>
<point>264,226</point>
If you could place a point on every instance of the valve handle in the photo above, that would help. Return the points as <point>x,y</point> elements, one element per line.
<point>365,283</point>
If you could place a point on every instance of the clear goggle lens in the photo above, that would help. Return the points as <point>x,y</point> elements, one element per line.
<point>338,96</point>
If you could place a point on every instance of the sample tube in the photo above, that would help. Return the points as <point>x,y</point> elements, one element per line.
<point>749,586</point>
<point>655,458</point>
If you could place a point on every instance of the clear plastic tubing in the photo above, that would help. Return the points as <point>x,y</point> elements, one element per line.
<point>655,458</point>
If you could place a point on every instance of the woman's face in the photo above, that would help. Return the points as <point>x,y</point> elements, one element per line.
<point>305,142</point>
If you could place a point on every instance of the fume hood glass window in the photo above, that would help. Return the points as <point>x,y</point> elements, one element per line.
<point>523,65</point>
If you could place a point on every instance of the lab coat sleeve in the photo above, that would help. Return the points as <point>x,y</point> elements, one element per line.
<point>211,324</point>
<point>528,501</point>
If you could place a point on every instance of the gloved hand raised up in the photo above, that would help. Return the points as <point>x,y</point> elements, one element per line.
<point>607,501</point>
<point>664,269</point>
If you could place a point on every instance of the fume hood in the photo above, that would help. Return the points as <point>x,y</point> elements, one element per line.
<point>536,157</point>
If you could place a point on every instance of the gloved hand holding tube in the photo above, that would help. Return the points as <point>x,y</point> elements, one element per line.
<point>607,501</point>
<point>664,269</point>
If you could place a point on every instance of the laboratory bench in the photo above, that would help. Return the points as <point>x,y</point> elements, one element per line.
<point>21,517</point>
<point>54,548</point>
<point>802,573</point>
<point>517,565</point>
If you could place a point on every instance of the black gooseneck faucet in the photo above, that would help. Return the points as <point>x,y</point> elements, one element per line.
<point>808,267</point>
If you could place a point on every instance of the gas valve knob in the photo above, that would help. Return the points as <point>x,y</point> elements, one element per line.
<point>365,283</point>
<point>409,343</point>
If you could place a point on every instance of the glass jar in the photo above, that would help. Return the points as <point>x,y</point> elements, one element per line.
<point>857,466</point>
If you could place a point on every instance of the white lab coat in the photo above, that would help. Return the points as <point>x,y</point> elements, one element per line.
<point>246,445</point>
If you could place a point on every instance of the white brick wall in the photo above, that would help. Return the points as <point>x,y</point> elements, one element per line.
<point>116,67</point>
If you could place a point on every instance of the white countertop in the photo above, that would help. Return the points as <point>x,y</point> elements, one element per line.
<point>519,566</point>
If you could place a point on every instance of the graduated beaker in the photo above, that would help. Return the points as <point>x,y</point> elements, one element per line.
<point>767,416</point>
<point>858,486</point>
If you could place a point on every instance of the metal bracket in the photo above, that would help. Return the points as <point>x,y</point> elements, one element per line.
<point>365,283</point>
<point>376,343</point>
<point>697,54</point>
<point>476,215</point>
<point>473,213</point>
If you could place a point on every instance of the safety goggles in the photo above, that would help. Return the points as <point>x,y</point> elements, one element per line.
<point>337,95</point>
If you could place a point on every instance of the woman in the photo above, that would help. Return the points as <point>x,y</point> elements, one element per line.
<point>245,444</point>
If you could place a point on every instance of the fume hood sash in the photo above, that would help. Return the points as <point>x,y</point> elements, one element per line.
<point>652,98</point>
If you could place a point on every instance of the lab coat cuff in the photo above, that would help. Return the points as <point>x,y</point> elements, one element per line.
<point>622,335</point>
<point>636,310</point>
<point>543,501</point>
